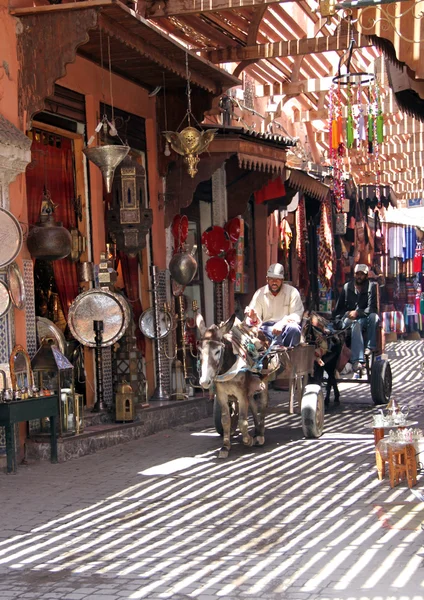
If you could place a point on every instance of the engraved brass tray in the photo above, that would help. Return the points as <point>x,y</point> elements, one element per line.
<point>98,305</point>
<point>11,237</point>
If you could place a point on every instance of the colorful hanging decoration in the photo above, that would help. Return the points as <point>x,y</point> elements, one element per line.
<point>356,123</point>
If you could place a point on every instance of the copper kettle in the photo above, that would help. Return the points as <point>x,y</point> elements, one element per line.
<point>48,239</point>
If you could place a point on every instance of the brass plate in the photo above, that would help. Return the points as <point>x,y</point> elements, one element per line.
<point>98,305</point>
<point>147,323</point>
<point>10,237</point>
<point>16,286</point>
<point>5,301</point>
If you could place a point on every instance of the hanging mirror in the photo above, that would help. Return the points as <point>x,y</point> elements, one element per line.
<point>16,286</point>
<point>10,237</point>
<point>20,369</point>
<point>5,302</point>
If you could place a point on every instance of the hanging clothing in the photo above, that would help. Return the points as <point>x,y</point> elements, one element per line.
<point>286,235</point>
<point>396,241</point>
<point>410,242</point>
<point>325,250</point>
<point>273,237</point>
<point>301,237</point>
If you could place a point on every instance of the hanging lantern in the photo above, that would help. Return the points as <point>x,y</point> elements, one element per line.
<point>189,143</point>
<point>128,221</point>
<point>107,158</point>
<point>48,239</point>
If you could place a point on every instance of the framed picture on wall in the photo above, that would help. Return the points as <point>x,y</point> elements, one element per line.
<point>415,202</point>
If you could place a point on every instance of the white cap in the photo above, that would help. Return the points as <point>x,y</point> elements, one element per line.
<point>275,271</point>
<point>362,268</point>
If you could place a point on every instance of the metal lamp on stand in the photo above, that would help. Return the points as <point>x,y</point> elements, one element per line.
<point>160,393</point>
<point>98,335</point>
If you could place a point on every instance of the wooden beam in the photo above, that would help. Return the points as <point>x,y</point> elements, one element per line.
<point>132,40</point>
<point>286,48</point>
<point>157,10</point>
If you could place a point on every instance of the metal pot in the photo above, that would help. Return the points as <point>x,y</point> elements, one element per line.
<point>48,240</point>
<point>183,266</point>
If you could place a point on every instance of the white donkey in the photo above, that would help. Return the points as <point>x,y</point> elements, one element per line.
<point>240,389</point>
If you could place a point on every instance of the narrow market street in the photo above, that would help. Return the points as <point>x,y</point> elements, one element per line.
<point>160,517</point>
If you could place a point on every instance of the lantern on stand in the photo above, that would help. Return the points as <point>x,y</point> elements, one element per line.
<point>56,375</point>
<point>124,403</point>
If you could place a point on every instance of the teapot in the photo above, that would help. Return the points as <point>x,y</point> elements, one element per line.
<point>183,266</point>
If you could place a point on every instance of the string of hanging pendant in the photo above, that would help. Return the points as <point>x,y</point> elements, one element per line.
<point>110,79</point>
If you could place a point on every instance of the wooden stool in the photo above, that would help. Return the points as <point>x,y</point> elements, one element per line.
<point>402,465</point>
<point>381,464</point>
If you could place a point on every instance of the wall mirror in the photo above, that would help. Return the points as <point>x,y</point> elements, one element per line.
<point>20,369</point>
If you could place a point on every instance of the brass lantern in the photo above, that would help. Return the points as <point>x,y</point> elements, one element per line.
<point>128,221</point>
<point>124,403</point>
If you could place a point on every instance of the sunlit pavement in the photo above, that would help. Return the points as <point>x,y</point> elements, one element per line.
<point>161,517</point>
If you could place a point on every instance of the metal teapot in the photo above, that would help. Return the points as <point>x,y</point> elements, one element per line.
<point>183,266</point>
<point>48,239</point>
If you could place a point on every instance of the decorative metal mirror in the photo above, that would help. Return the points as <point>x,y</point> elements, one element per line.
<point>16,286</point>
<point>11,237</point>
<point>5,302</point>
<point>147,323</point>
<point>96,306</point>
<point>20,369</point>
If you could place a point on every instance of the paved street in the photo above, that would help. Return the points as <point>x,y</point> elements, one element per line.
<point>161,518</point>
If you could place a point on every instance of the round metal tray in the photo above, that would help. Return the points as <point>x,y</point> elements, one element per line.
<point>5,301</point>
<point>11,237</point>
<point>16,286</point>
<point>147,323</point>
<point>98,305</point>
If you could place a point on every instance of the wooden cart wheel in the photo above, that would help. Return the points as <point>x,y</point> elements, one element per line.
<point>217,415</point>
<point>381,381</point>
<point>313,411</point>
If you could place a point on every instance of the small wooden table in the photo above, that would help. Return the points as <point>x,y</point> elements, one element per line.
<point>27,410</point>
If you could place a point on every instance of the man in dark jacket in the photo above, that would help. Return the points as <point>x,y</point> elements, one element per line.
<point>357,308</point>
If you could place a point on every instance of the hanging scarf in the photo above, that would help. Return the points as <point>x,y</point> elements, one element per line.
<point>301,237</point>
<point>325,250</point>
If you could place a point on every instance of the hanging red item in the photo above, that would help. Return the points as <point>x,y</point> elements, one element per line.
<point>217,269</point>
<point>216,241</point>
<point>232,275</point>
<point>233,227</point>
<point>418,259</point>
<point>179,230</point>
<point>231,257</point>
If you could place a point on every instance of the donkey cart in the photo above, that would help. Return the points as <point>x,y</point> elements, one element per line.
<point>296,365</point>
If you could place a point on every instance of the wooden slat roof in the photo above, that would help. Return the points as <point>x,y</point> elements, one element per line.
<point>139,47</point>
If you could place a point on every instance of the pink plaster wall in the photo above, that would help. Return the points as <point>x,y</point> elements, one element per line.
<point>9,70</point>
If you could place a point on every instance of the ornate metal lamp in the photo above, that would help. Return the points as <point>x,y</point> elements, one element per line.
<point>128,221</point>
<point>190,142</point>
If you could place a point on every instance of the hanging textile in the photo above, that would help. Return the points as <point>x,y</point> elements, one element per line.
<point>273,235</point>
<point>52,168</point>
<point>325,249</point>
<point>273,191</point>
<point>301,238</point>
<point>129,266</point>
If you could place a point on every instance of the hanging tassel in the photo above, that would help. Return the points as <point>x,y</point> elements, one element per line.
<point>349,131</point>
<point>380,131</point>
<point>361,128</point>
<point>334,134</point>
<point>340,129</point>
<point>370,128</point>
